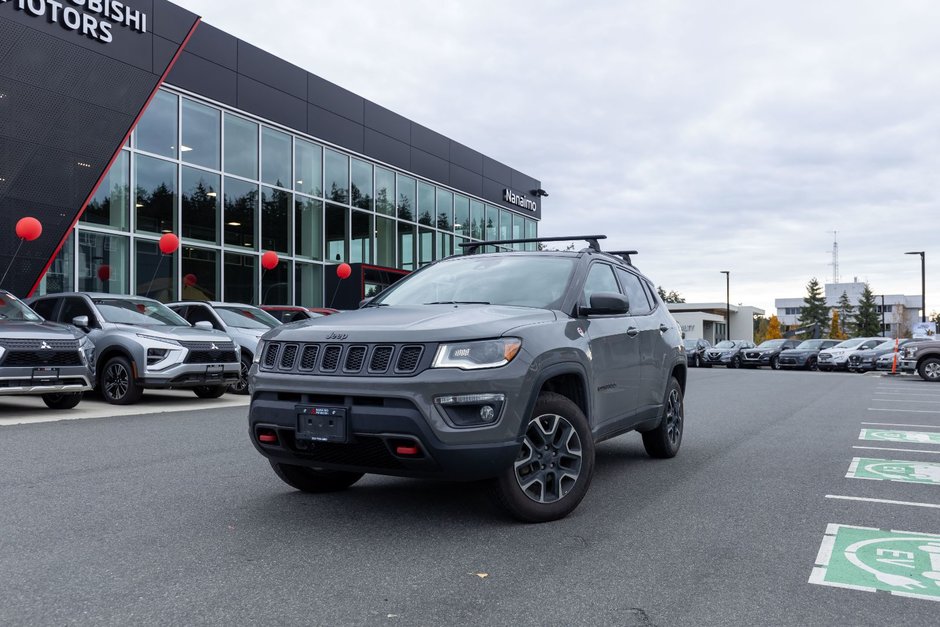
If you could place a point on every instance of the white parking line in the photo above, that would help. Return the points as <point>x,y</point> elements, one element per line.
<point>906,411</point>
<point>899,400</point>
<point>927,394</point>
<point>885,501</point>
<point>902,450</point>
<point>894,424</point>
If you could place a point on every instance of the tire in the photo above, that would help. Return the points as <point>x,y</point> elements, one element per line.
<point>117,384</point>
<point>774,363</point>
<point>210,391</point>
<point>929,369</point>
<point>696,362</point>
<point>557,436</point>
<point>735,362</point>
<point>812,364</point>
<point>313,480</point>
<point>241,386</point>
<point>66,400</point>
<point>663,442</point>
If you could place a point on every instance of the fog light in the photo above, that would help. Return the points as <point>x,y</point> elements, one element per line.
<point>471,410</point>
<point>487,413</point>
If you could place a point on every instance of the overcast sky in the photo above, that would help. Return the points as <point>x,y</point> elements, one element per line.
<point>707,135</point>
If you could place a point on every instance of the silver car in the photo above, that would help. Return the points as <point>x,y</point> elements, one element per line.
<point>245,324</point>
<point>140,343</point>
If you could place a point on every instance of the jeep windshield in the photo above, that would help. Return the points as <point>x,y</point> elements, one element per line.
<point>517,280</point>
<point>12,309</point>
<point>247,318</point>
<point>138,312</point>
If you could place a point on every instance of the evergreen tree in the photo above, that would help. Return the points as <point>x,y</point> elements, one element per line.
<point>672,297</point>
<point>846,312</point>
<point>773,329</point>
<point>815,310</point>
<point>867,321</point>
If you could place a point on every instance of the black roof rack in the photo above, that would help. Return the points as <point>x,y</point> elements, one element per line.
<point>624,254</point>
<point>471,248</point>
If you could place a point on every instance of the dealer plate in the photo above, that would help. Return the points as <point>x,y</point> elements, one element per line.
<point>45,374</point>
<point>321,424</point>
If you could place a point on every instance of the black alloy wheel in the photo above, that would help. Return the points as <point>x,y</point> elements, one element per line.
<point>735,362</point>
<point>554,466</point>
<point>663,442</point>
<point>812,364</point>
<point>117,382</point>
<point>774,363</point>
<point>241,386</point>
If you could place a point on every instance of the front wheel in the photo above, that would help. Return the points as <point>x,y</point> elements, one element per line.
<point>812,364</point>
<point>929,369</point>
<point>66,400</point>
<point>553,469</point>
<point>735,362</point>
<point>696,362</point>
<point>774,363</point>
<point>315,480</point>
<point>663,441</point>
<point>117,382</point>
<point>241,386</point>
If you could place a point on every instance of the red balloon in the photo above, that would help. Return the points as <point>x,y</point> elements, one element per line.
<point>169,243</point>
<point>189,280</point>
<point>104,272</point>
<point>343,270</point>
<point>28,229</point>
<point>269,260</point>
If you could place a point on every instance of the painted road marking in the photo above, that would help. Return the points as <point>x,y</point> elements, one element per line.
<point>894,470</point>
<point>898,400</point>
<point>913,437</point>
<point>862,558</point>
<point>924,394</point>
<point>905,411</point>
<point>894,424</point>
<point>884,501</point>
<point>902,450</point>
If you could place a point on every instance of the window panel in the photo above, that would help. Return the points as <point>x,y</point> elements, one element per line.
<point>384,191</point>
<point>636,295</point>
<point>110,206</point>
<point>275,157</point>
<point>462,215</point>
<point>241,213</point>
<point>241,147</point>
<point>155,195</point>
<point>276,284</point>
<point>157,130</point>
<point>241,278</point>
<point>531,231</point>
<point>505,225</point>
<point>425,204</point>
<point>406,246</point>
<point>337,176</point>
<point>61,274</point>
<point>200,274</point>
<point>360,245</point>
<point>337,232</point>
<point>385,242</point>
<point>202,134</point>
<point>477,220</point>
<point>275,219</point>
<point>445,209</point>
<point>425,246</point>
<point>361,184</point>
<point>407,197</point>
<point>309,168</point>
<point>308,283</point>
<point>444,245</point>
<point>156,272</point>
<point>308,234</point>
<point>518,230</point>
<point>103,263</point>
<point>200,198</point>
<point>491,227</point>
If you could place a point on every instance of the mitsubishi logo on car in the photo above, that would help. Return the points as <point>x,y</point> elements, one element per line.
<point>45,346</point>
<point>214,347</point>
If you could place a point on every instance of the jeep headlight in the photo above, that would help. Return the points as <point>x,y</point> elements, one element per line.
<point>477,355</point>
<point>262,345</point>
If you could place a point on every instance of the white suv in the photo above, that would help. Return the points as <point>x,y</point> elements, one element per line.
<point>837,357</point>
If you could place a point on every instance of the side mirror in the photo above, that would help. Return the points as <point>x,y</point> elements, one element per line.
<point>606,304</point>
<point>203,324</point>
<point>81,322</point>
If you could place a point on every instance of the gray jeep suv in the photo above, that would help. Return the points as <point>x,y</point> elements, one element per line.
<point>141,344</point>
<point>506,366</point>
<point>39,357</point>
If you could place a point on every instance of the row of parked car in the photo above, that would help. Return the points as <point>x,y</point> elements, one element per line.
<point>61,345</point>
<point>862,354</point>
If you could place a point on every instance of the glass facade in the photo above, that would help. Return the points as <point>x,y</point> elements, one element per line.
<point>232,187</point>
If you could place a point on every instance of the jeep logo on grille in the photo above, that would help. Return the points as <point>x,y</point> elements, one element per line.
<point>337,336</point>
<point>45,346</point>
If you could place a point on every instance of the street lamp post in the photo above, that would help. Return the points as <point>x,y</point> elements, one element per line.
<point>882,315</point>
<point>727,274</point>
<point>923,283</point>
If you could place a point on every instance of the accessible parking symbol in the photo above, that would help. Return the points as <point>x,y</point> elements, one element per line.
<point>863,558</point>
<point>894,470</point>
<point>910,437</point>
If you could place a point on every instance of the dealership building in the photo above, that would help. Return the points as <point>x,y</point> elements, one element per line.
<point>124,121</point>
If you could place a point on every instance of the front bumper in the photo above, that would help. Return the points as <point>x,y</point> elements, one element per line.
<point>907,365</point>
<point>386,413</point>
<point>793,361</point>
<point>60,380</point>
<point>192,375</point>
<point>763,360</point>
<point>833,364</point>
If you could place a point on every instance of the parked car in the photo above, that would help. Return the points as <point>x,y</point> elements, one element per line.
<point>805,355</point>
<point>291,313</point>
<point>245,324</point>
<point>506,367</point>
<point>726,353</point>
<point>922,358</point>
<point>42,358</point>
<point>866,360</point>
<point>837,357</point>
<point>695,351</point>
<point>767,353</point>
<point>140,344</point>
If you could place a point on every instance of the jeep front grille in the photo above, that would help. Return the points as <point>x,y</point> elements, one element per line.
<point>347,359</point>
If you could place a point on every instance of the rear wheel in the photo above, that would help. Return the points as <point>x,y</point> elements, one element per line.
<point>315,480</point>
<point>812,364</point>
<point>663,441</point>
<point>210,391</point>
<point>929,369</point>
<point>774,363</point>
<point>117,382</point>
<point>553,469</point>
<point>66,400</point>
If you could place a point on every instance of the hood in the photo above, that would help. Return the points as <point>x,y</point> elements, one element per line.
<point>422,323</point>
<point>798,351</point>
<point>182,334</point>
<point>22,330</point>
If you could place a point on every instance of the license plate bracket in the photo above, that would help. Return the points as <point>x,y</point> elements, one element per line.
<point>45,375</point>
<point>322,424</point>
<point>214,372</point>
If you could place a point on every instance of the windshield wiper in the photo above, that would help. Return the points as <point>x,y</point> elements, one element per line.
<point>459,302</point>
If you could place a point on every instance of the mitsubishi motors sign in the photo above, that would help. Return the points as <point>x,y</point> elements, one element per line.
<point>94,19</point>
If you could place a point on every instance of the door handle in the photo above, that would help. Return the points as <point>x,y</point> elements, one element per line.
<point>663,328</point>
<point>633,332</point>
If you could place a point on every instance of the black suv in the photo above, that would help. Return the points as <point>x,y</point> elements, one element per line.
<point>767,353</point>
<point>505,366</point>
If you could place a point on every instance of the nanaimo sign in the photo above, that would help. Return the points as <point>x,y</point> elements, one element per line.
<point>92,18</point>
<point>519,200</point>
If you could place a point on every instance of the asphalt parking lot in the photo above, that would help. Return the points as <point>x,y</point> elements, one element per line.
<point>797,499</point>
